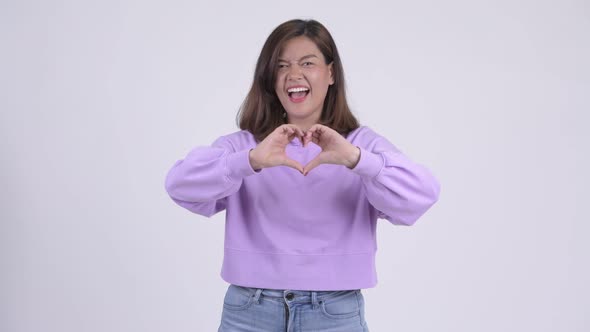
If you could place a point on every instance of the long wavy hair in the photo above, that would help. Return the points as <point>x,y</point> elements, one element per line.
<point>262,112</point>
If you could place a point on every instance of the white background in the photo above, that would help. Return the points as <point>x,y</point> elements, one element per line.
<point>99,99</point>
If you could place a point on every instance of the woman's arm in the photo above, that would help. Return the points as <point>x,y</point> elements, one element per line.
<point>401,190</point>
<point>202,181</point>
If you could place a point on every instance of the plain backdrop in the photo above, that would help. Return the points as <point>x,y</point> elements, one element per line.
<point>99,98</point>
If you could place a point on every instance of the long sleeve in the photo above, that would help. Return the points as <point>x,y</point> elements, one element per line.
<point>202,181</point>
<point>401,190</point>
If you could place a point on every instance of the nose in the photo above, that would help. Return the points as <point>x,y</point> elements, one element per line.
<point>294,72</point>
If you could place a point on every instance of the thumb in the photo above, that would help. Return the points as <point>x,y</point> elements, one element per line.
<point>311,165</point>
<point>293,164</point>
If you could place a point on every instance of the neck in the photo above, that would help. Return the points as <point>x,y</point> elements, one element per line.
<point>303,123</point>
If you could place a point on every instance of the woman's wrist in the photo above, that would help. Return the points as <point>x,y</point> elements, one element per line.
<point>253,163</point>
<point>353,157</point>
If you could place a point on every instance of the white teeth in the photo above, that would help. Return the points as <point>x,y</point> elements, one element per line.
<point>297,89</point>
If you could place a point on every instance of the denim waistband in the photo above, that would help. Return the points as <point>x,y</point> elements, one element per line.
<point>298,296</point>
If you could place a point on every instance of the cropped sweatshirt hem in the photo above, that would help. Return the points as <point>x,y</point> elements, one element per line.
<point>325,272</point>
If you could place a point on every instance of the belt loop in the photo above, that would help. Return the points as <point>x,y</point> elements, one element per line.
<point>257,295</point>
<point>314,300</point>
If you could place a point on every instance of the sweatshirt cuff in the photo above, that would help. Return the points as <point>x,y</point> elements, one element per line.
<point>369,164</point>
<point>238,165</point>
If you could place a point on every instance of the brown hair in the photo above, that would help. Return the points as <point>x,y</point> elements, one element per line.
<point>262,112</point>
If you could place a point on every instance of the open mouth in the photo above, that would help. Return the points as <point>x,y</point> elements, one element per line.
<point>298,95</point>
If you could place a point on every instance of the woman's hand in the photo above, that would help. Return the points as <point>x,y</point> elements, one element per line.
<point>335,148</point>
<point>271,151</point>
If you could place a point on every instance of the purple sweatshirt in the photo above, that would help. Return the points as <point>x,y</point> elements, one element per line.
<point>284,230</point>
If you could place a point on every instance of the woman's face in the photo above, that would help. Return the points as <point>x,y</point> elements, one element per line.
<point>301,64</point>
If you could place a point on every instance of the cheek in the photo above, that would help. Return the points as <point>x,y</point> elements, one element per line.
<point>321,78</point>
<point>322,82</point>
<point>278,85</point>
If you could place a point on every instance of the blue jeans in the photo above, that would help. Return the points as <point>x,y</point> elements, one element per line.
<point>248,309</point>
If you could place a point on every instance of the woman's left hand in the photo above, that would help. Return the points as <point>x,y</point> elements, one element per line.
<point>335,148</point>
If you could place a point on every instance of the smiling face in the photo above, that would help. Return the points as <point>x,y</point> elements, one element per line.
<point>303,79</point>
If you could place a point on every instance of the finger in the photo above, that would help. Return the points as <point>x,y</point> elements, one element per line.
<point>293,164</point>
<point>306,138</point>
<point>298,130</point>
<point>289,132</point>
<point>309,137</point>
<point>302,138</point>
<point>292,127</point>
<point>283,132</point>
<point>311,165</point>
<point>315,139</point>
<point>317,128</point>
<point>292,134</point>
<point>289,127</point>
<point>316,134</point>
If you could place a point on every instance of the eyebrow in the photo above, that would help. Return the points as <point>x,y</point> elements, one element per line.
<point>302,58</point>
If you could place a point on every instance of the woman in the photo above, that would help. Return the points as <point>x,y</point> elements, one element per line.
<point>303,185</point>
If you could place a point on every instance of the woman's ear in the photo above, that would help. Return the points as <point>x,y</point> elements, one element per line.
<point>331,72</point>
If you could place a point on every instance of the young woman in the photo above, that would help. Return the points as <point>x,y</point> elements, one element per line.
<point>303,185</point>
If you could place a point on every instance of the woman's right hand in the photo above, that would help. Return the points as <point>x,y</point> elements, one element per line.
<point>271,151</point>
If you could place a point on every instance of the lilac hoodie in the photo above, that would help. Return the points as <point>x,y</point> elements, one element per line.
<point>284,230</point>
